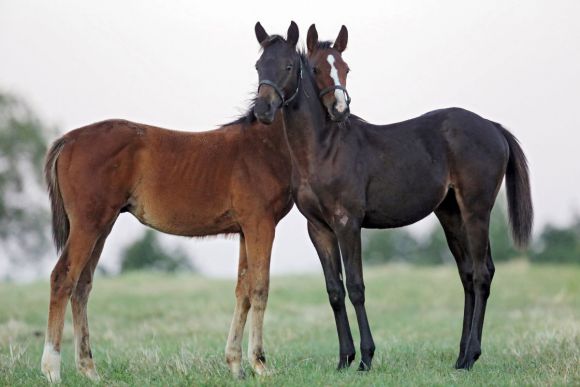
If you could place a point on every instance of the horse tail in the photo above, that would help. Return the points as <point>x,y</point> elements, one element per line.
<point>60,221</point>
<point>519,198</point>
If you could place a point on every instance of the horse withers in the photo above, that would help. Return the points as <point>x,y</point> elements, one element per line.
<point>349,174</point>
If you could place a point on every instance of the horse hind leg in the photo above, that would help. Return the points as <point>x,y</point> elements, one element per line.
<point>234,343</point>
<point>475,217</point>
<point>491,268</point>
<point>63,281</point>
<point>86,228</point>
<point>449,216</point>
<point>83,354</point>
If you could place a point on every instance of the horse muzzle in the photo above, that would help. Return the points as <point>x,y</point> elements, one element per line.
<point>264,111</point>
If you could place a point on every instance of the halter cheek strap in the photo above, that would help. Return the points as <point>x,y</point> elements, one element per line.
<point>328,89</point>
<point>279,91</point>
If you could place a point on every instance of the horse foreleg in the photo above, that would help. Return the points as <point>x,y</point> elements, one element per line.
<point>259,238</point>
<point>349,240</point>
<point>234,344</point>
<point>326,246</point>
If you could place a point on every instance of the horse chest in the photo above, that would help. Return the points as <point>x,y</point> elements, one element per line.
<point>321,201</point>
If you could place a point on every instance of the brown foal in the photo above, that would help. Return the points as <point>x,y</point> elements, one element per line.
<point>235,179</point>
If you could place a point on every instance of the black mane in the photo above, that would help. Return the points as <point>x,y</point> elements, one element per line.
<point>245,118</point>
<point>271,40</point>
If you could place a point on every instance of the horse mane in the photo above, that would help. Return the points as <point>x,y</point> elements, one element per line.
<point>271,40</point>
<point>352,118</point>
<point>246,118</point>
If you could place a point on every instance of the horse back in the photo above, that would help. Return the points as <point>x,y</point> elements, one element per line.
<point>182,183</point>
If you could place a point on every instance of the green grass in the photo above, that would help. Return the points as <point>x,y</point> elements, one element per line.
<point>154,329</point>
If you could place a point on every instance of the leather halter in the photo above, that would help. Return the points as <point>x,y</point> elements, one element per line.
<point>279,91</point>
<point>328,89</point>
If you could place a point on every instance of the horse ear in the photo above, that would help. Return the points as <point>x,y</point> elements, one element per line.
<point>312,39</point>
<point>293,34</point>
<point>261,33</point>
<point>341,40</point>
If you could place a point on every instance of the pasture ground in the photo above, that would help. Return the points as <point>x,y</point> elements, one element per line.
<point>158,329</point>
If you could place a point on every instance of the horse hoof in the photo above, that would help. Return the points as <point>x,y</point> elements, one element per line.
<point>91,373</point>
<point>345,361</point>
<point>464,365</point>
<point>50,364</point>
<point>53,376</point>
<point>87,368</point>
<point>261,370</point>
<point>239,375</point>
<point>467,362</point>
<point>236,370</point>
<point>364,367</point>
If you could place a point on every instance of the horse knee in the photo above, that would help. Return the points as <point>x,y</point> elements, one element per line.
<point>467,281</point>
<point>259,297</point>
<point>491,268</point>
<point>336,298</point>
<point>242,292</point>
<point>482,282</point>
<point>356,294</point>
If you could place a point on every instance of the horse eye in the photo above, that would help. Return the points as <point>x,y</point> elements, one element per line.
<point>315,70</point>
<point>289,67</point>
<point>347,71</point>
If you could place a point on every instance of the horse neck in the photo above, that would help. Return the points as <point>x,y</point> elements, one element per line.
<point>308,132</point>
<point>274,132</point>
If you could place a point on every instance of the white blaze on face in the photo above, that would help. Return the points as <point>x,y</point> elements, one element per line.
<point>338,94</point>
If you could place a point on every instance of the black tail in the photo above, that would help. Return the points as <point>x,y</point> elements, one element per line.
<point>519,198</point>
<point>60,223</point>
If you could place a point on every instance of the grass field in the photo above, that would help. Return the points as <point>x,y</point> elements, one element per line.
<point>154,329</point>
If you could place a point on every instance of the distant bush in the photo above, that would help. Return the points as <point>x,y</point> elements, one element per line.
<point>148,254</point>
<point>558,244</point>
<point>388,245</point>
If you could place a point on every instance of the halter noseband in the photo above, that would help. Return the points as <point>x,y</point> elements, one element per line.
<point>279,91</point>
<point>328,89</point>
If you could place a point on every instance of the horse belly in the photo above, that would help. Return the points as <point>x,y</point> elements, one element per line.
<point>405,204</point>
<point>184,216</point>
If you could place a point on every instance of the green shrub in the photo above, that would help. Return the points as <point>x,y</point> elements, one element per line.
<point>558,244</point>
<point>148,254</point>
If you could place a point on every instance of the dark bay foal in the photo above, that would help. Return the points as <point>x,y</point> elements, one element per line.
<point>235,179</point>
<point>348,174</point>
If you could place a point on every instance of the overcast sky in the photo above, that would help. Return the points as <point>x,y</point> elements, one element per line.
<point>189,65</point>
